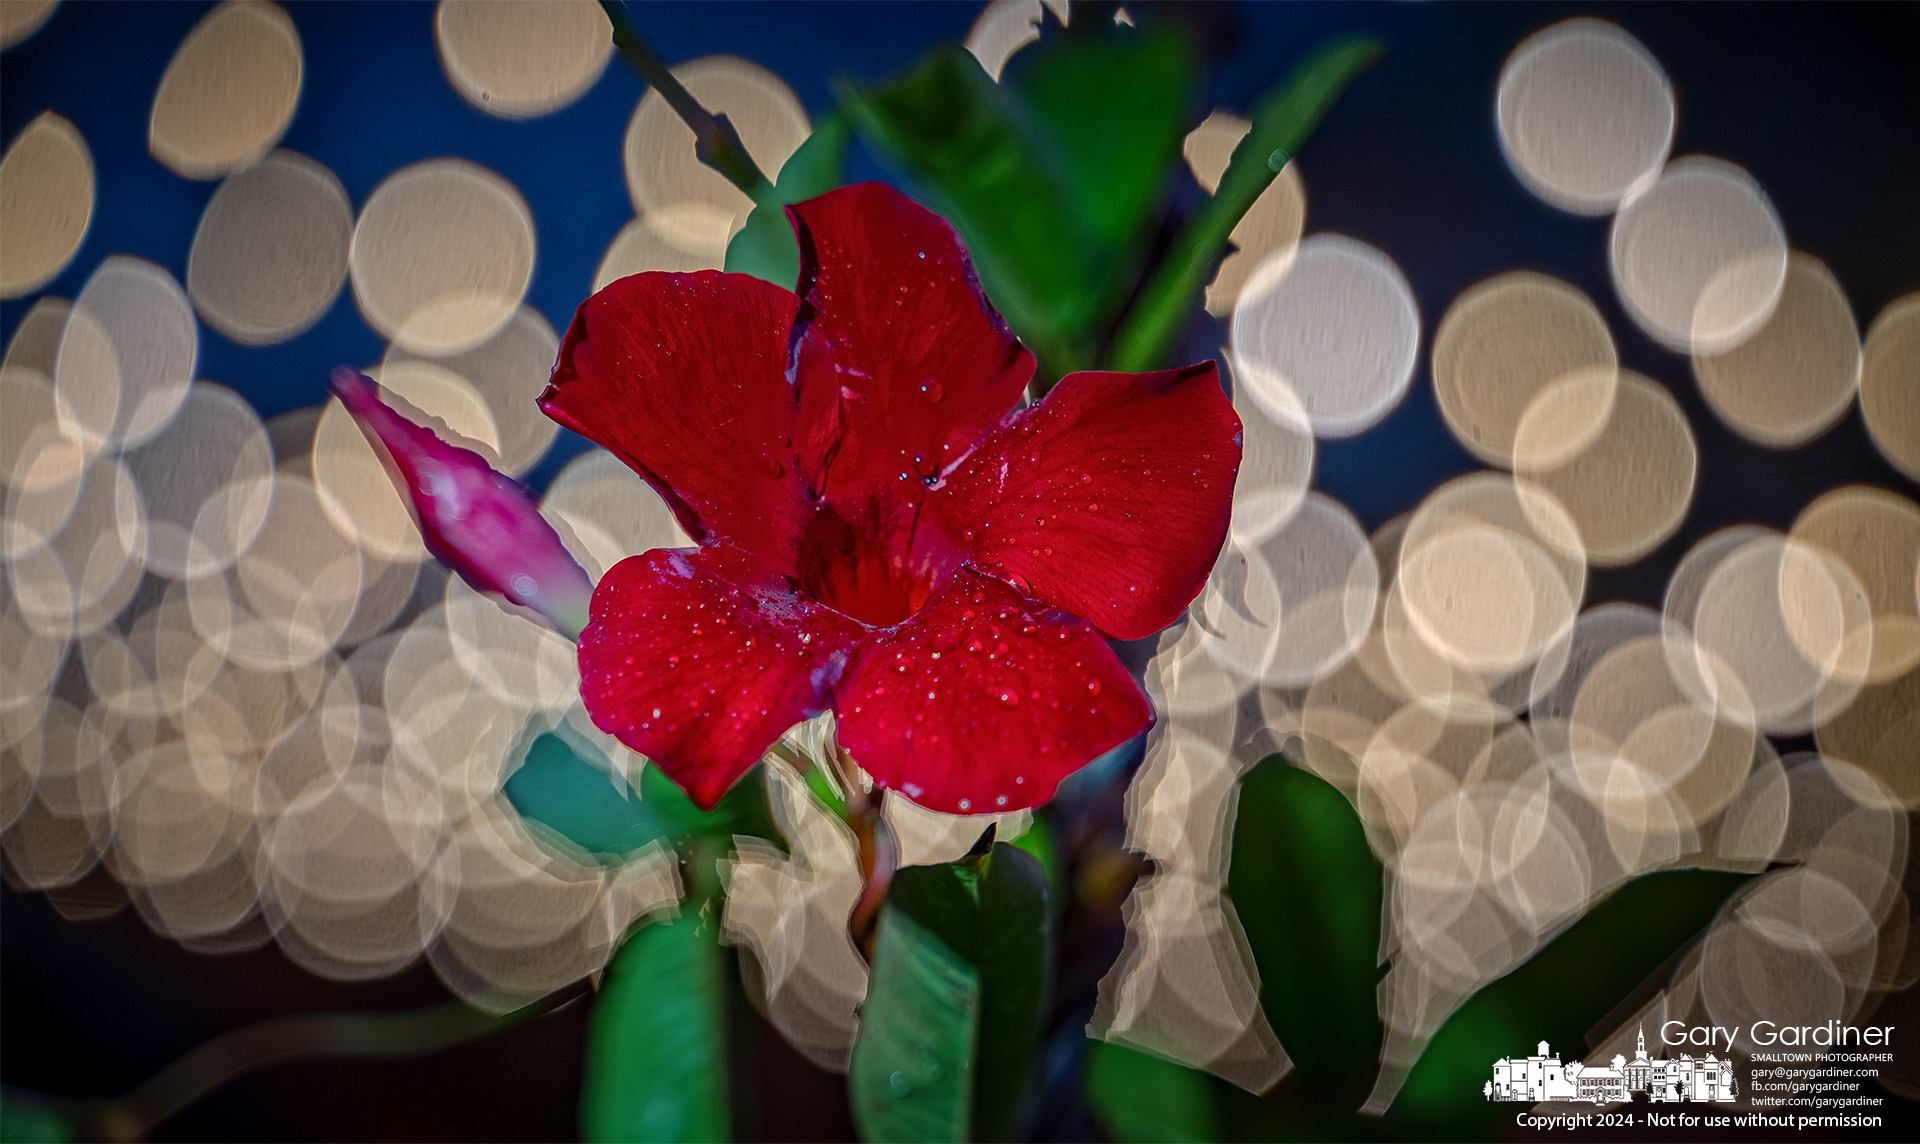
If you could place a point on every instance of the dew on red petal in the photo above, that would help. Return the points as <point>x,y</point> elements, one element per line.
<point>975,646</point>
<point>1093,687</point>
<point>966,804</point>
<point>772,467</point>
<point>967,535</point>
<point>933,391</point>
<point>1086,478</point>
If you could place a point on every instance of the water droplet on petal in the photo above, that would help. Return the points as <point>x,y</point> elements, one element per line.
<point>932,390</point>
<point>975,646</point>
<point>1093,687</point>
<point>772,467</point>
<point>966,804</point>
<point>1009,699</point>
<point>967,535</point>
<point>1086,478</point>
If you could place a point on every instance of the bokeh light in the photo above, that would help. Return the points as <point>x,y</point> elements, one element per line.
<point>230,91</point>
<point>1585,115</point>
<point>46,202</point>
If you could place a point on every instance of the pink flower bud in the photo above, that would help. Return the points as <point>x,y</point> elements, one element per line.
<point>482,524</point>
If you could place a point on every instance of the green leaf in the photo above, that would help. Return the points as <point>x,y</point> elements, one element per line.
<point>1307,889</point>
<point>1141,1099</point>
<point>1565,990</point>
<point>656,1066</point>
<point>558,787</point>
<point>566,787</point>
<point>1040,842</point>
<point>765,247</point>
<point>28,1122</point>
<point>1282,123</point>
<point>966,142</point>
<point>962,970</point>
<point>1117,104</point>
<point>742,810</point>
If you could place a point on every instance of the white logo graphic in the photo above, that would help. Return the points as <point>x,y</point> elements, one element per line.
<point>1542,1077</point>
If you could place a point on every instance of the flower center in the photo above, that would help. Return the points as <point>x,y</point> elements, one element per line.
<point>872,572</point>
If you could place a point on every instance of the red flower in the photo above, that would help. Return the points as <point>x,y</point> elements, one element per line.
<point>879,530</point>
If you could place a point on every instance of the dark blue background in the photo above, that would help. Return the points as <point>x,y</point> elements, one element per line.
<point>1820,103</point>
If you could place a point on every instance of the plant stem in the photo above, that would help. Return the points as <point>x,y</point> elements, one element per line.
<point>879,850</point>
<point>715,140</point>
<point>364,1035</point>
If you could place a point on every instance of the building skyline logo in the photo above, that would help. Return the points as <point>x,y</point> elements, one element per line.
<point>1542,1077</point>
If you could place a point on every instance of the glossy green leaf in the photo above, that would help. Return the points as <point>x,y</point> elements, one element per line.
<point>765,247</point>
<point>656,1065</point>
<point>1117,103</point>
<point>566,786</point>
<point>1564,990</point>
<point>967,144</point>
<point>1283,121</point>
<point>1041,842</point>
<point>558,787</point>
<point>742,810</point>
<point>1141,1099</point>
<point>962,970</point>
<point>1307,889</point>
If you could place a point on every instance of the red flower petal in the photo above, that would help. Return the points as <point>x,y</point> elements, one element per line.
<point>478,522</point>
<point>700,658</point>
<point>684,377</point>
<point>904,361</point>
<point>984,701</point>
<point>1110,498</point>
